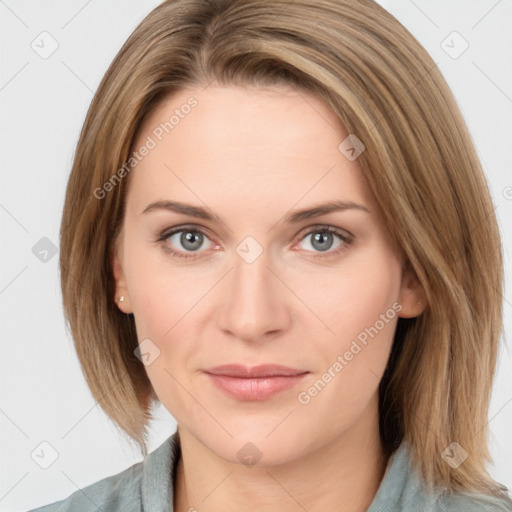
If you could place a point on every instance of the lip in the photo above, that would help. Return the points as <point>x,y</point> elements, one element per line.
<point>262,370</point>
<point>256,382</point>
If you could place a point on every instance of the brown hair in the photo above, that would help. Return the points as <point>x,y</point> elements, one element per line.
<point>420,163</point>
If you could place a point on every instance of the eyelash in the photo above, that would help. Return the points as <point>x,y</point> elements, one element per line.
<point>346,238</point>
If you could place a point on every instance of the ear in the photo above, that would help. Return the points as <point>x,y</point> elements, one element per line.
<point>121,290</point>
<point>412,294</point>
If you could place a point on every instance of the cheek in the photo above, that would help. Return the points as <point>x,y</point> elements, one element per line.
<point>360,311</point>
<point>354,359</point>
<point>353,295</point>
<point>159,295</point>
<point>162,300</point>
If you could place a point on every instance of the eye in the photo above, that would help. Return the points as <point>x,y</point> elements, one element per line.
<point>186,239</point>
<point>322,239</point>
<point>189,240</point>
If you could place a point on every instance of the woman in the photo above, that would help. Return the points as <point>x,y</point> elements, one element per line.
<point>277,226</point>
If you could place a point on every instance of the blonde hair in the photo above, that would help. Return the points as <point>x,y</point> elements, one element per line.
<point>420,163</point>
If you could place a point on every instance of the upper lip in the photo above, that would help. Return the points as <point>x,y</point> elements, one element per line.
<point>244,371</point>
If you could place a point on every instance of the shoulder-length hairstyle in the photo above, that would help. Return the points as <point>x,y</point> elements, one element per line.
<point>420,163</point>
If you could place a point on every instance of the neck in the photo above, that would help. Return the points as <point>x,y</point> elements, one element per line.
<point>343,473</point>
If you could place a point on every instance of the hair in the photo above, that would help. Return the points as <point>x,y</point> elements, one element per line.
<point>420,163</point>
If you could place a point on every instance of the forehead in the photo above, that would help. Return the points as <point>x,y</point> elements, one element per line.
<point>244,144</point>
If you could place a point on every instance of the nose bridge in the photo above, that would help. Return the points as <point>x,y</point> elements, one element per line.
<point>254,304</point>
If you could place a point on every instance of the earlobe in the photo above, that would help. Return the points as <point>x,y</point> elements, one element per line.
<point>412,295</point>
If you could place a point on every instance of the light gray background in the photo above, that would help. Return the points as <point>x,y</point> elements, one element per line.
<point>43,103</point>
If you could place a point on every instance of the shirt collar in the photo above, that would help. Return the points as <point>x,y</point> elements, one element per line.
<point>158,476</point>
<point>402,488</point>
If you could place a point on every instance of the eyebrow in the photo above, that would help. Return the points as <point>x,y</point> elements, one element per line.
<point>292,218</point>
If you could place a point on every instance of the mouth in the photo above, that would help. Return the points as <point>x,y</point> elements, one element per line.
<point>256,382</point>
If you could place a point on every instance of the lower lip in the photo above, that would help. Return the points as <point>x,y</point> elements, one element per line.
<point>257,388</point>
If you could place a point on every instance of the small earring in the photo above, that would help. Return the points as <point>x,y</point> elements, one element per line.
<point>121,299</point>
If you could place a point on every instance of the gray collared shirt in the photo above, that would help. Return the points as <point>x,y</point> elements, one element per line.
<point>147,486</point>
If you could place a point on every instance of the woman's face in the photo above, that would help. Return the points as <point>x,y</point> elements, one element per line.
<point>254,282</point>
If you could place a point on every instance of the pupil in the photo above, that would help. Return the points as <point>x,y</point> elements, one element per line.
<point>319,237</point>
<point>188,240</point>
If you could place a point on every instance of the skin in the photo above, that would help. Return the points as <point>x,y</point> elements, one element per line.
<point>252,156</point>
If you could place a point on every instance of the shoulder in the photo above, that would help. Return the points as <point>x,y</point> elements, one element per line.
<point>146,485</point>
<point>117,492</point>
<point>402,488</point>
<point>455,502</point>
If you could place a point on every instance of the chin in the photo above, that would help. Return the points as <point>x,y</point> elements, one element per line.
<point>257,444</point>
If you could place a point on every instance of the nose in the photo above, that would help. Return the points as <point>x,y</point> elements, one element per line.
<point>254,302</point>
